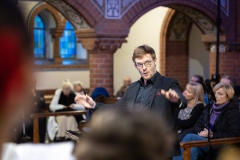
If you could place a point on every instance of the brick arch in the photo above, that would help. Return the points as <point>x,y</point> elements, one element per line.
<point>163,38</point>
<point>174,46</point>
<point>205,6</point>
<point>44,6</point>
<point>120,28</point>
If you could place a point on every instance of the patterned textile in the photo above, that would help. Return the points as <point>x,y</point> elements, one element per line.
<point>185,113</point>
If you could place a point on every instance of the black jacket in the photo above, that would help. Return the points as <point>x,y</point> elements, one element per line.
<point>226,125</point>
<point>160,105</point>
<point>187,126</point>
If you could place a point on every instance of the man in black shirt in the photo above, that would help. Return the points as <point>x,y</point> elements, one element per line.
<point>153,92</point>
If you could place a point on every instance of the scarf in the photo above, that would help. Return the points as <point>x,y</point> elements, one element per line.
<point>216,111</point>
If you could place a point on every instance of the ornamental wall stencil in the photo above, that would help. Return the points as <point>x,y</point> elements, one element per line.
<point>113,9</point>
<point>206,25</point>
<point>179,26</point>
<point>69,13</point>
<point>224,6</point>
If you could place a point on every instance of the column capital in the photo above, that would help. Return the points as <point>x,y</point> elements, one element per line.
<point>209,39</point>
<point>94,43</point>
<point>57,32</point>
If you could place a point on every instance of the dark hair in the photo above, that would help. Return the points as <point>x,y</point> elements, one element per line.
<point>200,80</point>
<point>231,79</point>
<point>142,50</point>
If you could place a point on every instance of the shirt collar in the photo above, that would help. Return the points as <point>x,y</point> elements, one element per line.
<point>150,81</point>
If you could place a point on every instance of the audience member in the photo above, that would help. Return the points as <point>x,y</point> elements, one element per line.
<point>63,100</point>
<point>199,79</point>
<point>78,87</point>
<point>186,118</point>
<point>122,90</point>
<point>152,92</point>
<point>224,122</point>
<point>124,135</point>
<point>16,64</point>
<point>231,81</point>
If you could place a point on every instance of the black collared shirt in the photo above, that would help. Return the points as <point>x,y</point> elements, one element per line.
<point>143,101</point>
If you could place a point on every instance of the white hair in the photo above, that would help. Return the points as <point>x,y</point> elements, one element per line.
<point>67,82</point>
<point>78,83</point>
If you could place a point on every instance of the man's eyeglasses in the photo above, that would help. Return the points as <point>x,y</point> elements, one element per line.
<point>147,64</point>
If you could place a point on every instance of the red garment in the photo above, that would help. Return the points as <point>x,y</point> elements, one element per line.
<point>10,48</point>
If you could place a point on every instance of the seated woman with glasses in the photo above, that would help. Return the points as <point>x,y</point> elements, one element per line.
<point>224,122</point>
<point>186,118</point>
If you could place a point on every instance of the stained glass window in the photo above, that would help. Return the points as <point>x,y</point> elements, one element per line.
<point>68,42</point>
<point>39,37</point>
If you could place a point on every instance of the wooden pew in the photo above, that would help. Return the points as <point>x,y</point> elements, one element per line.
<point>106,100</point>
<point>48,114</point>
<point>213,142</point>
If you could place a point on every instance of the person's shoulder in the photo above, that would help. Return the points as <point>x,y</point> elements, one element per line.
<point>167,79</point>
<point>58,91</point>
<point>232,110</point>
<point>133,84</point>
<point>73,93</point>
<point>232,106</point>
<point>121,89</point>
<point>199,106</point>
<point>207,107</point>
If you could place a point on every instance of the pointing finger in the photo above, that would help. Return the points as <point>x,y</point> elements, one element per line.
<point>163,92</point>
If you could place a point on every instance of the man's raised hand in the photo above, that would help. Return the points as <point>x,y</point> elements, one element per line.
<point>170,95</point>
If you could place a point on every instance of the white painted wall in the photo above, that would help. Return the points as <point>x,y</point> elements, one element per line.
<point>198,55</point>
<point>146,30</point>
<point>53,79</point>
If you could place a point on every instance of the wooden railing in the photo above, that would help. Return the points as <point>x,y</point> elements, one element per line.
<point>213,142</point>
<point>48,114</point>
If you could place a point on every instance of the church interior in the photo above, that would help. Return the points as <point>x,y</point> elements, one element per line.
<point>90,43</point>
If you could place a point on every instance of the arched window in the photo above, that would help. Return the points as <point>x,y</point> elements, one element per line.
<point>39,38</point>
<point>68,42</point>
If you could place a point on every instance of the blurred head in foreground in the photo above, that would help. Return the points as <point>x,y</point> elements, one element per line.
<point>229,152</point>
<point>121,134</point>
<point>15,67</point>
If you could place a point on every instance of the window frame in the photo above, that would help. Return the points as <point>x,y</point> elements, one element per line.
<point>46,64</point>
<point>72,30</point>
<point>44,29</point>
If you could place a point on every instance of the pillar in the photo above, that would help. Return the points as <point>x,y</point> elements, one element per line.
<point>100,54</point>
<point>101,70</point>
<point>56,54</point>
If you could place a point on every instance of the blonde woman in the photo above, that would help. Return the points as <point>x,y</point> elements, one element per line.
<point>219,120</point>
<point>186,118</point>
<point>63,100</point>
